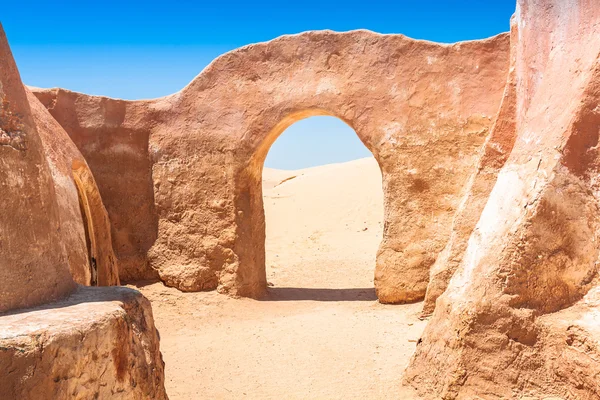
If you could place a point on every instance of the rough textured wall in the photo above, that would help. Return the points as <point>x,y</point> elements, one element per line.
<point>100,343</point>
<point>404,98</point>
<point>520,316</point>
<point>112,135</point>
<point>61,155</point>
<point>33,262</point>
<point>494,154</point>
<point>182,173</point>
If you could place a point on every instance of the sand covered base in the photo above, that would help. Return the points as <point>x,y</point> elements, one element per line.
<point>320,332</point>
<point>100,343</point>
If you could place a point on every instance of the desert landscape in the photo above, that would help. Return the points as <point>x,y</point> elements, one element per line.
<point>147,252</point>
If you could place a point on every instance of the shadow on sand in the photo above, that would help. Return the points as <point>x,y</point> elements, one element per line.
<point>315,294</point>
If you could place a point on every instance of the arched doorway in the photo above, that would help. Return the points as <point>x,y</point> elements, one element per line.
<point>251,279</point>
<point>101,258</point>
<point>323,205</point>
<point>424,123</point>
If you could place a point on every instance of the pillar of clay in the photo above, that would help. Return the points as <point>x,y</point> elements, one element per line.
<point>495,152</point>
<point>33,266</point>
<point>520,316</point>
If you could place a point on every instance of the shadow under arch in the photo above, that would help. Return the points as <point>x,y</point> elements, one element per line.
<point>251,276</point>
<point>101,258</point>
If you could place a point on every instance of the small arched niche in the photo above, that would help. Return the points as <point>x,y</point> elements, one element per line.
<point>320,217</point>
<point>101,258</point>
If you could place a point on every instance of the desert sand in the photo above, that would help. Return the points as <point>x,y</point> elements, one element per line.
<point>320,332</point>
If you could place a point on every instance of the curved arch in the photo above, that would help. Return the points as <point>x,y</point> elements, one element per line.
<point>250,278</point>
<point>423,109</point>
<point>261,152</point>
<point>424,123</point>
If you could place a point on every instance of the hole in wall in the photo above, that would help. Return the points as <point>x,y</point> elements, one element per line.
<point>323,204</point>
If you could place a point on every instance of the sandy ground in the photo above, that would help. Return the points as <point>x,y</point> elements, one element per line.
<point>320,332</point>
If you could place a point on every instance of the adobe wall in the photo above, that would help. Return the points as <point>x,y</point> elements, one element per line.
<point>33,261</point>
<point>112,135</point>
<point>520,316</point>
<point>494,154</point>
<point>180,176</point>
<point>41,217</point>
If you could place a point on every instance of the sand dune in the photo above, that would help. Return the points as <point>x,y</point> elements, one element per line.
<point>320,332</point>
<point>323,224</point>
<point>333,198</point>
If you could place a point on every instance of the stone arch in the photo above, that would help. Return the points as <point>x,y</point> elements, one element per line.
<point>251,276</point>
<point>101,258</point>
<point>423,109</point>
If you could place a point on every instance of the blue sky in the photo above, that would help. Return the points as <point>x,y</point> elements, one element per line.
<point>135,49</point>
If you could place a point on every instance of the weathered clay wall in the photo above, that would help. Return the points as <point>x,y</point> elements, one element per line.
<point>423,109</point>
<point>112,135</point>
<point>494,154</point>
<point>33,262</point>
<point>394,92</point>
<point>62,155</point>
<point>520,316</point>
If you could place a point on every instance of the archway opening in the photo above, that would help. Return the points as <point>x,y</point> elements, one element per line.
<point>102,263</point>
<point>323,204</point>
<point>86,216</point>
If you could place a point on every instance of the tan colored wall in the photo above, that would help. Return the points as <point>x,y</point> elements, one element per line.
<point>33,262</point>
<point>494,154</point>
<point>520,316</point>
<point>58,339</point>
<point>423,109</point>
<point>112,135</point>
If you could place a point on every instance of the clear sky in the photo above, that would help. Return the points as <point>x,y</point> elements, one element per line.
<point>146,49</point>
